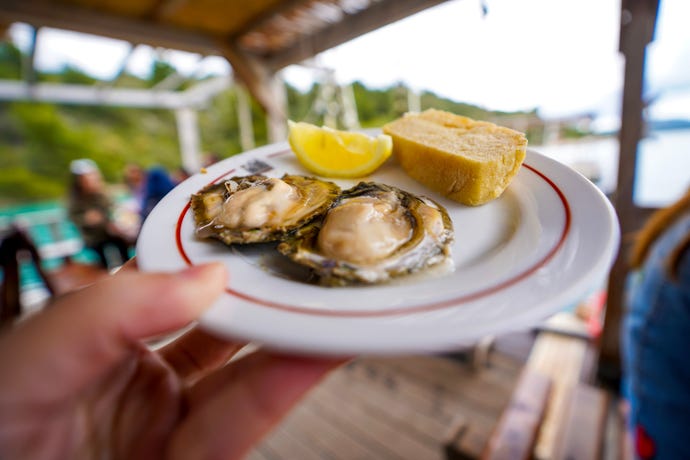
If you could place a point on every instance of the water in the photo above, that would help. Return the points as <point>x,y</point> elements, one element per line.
<point>663,172</point>
<point>664,168</point>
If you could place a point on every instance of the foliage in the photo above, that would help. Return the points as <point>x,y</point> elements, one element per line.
<point>573,132</point>
<point>40,140</point>
<point>373,106</point>
<point>160,71</point>
<point>10,61</point>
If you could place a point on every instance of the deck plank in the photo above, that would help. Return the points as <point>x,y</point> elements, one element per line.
<point>392,408</point>
<point>341,444</point>
<point>425,399</point>
<point>479,393</point>
<point>582,432</point>
<point>393,403</point>
<point>347,410</point>
<point>284,445</point>
<point>516,433</point>
<point>263,452</point>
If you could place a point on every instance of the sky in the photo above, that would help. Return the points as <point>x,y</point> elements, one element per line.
<point>558,56</point>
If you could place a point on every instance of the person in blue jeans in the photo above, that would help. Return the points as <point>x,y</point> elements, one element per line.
<point>656,336</point>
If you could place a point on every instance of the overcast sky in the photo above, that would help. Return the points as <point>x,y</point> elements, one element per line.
<point>558,56</point>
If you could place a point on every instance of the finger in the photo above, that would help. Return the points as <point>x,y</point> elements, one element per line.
<point>247,398</point>
<point>130,265</point>
<point>197,352</point>
<point>148,410</point>
<point>88,331</point>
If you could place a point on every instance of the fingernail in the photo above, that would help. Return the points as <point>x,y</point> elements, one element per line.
<point>202,271</point>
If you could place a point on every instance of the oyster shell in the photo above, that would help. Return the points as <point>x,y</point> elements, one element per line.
<point>371,234</point>
<point>259,209</point>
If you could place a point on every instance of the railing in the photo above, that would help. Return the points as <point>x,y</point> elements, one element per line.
<point>54,235</point>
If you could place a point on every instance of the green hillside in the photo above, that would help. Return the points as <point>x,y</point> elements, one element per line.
<point>39,140</point>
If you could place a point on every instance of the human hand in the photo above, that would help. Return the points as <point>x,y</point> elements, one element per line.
<point>77,382</point>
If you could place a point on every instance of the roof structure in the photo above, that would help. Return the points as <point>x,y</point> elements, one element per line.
<point>258,37</point>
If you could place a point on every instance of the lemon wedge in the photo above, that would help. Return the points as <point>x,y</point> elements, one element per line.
<point>332,153</point>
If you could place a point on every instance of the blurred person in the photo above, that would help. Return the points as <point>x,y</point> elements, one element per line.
<point>78,381</point>
<point>158,184</point>
<point>210,159</point>
<point>134,177</point>
<point>91,210</point>
<point>148,187</point>
<point>656,335</point>
<point>180,175</point>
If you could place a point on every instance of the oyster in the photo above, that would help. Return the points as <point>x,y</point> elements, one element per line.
<point>370,234</point>
<point>259,209</point>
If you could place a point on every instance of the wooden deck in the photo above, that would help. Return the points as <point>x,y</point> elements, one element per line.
<point>397,408</point>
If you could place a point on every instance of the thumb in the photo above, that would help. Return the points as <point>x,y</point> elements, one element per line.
<point>85,334</point>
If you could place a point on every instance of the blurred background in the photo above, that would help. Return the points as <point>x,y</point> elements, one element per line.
<point>549,68</point>
<point>170,86</point>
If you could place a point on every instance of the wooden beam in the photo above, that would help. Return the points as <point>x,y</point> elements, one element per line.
<point>277,118</point>
<point>561,358</point>
<point>583,426</point>
<point>265,16</point>
<point>90,95</point>
<point>41,13</point>
<point>29,60</point>
<point>164,7</point>
<point>377,15</point>
<point>196,96</point>
<point>259,81</point>
<point>201,93</point>
<point>516,432</point>
<point>170,83</point>
<point>244,118</point>
<point>250,70</point>
<point>189,140</point>
<point>638,19</point>
<point>123,65</point>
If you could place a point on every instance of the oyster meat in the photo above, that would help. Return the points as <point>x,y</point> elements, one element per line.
<point>371,234</point>
<point>259,209</point>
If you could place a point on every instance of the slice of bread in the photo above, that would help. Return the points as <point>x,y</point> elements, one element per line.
<point>469,161</point>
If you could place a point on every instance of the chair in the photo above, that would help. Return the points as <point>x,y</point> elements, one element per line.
<point>16,248</point>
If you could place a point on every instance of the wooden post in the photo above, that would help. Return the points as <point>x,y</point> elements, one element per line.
<point>29,60</point>
<point>244,118</point>
<point>349,105</point>
<point>583,426</point>
<point>638,18</point>
<point>277,114</point>
<point>266,88</point>
<point>188,133</point>
<point>414,101</point>
<point>515,434</point>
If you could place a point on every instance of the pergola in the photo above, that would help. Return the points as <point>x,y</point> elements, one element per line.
<point>260,37</point>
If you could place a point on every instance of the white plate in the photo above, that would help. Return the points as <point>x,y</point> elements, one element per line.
<point>544,244</point>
